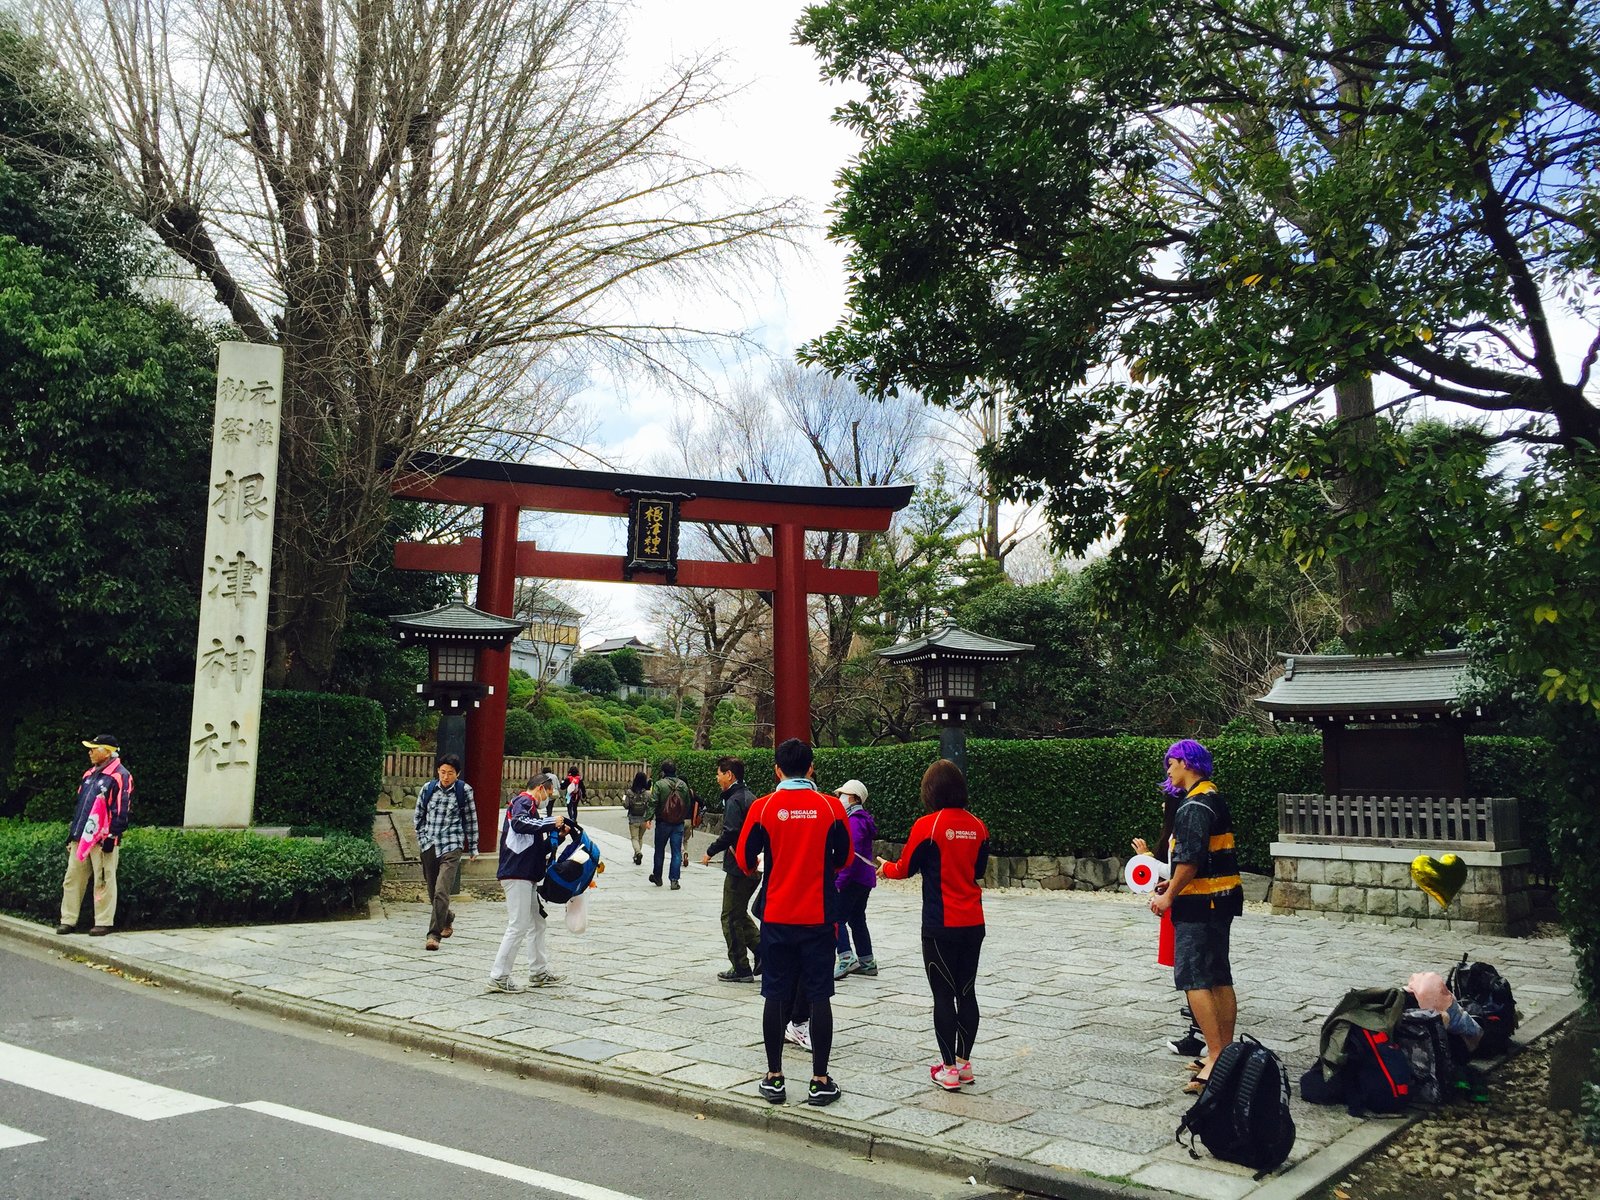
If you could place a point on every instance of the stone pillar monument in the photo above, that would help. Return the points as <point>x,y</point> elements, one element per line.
<point>225,728</point>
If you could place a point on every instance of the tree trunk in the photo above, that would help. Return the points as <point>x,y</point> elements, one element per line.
<point>310,603</point>
<point>1365,596</point>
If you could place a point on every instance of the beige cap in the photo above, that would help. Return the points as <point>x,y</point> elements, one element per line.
<point>852,787</point>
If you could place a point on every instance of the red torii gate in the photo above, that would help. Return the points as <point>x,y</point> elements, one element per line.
<point>498,559</point>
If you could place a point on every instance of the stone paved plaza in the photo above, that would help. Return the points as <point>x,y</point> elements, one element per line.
<point>1073,1071</point>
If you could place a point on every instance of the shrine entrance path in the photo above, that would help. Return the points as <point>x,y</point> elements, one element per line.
<point>1075,1082</point>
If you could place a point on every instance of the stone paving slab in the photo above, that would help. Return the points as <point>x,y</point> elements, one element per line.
<point>1072,1067</point>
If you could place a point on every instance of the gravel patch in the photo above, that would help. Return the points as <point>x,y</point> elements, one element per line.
<point>1512,1148</point>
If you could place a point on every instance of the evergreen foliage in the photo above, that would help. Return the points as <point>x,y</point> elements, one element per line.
<point>174,877</point>
<point>321,755</point>
<point>1093,796</point>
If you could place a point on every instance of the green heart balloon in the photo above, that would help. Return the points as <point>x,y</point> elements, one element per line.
<point>1440,877</point>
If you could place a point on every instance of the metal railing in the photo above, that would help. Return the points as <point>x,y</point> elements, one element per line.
<point>1461,822</point>
<point>413,766</point>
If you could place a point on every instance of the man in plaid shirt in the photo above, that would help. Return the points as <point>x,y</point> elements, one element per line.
<point>447,827</point>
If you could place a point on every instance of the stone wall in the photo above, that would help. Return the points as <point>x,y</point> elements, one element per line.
<point>1372,885</point>
<point>1041,872</point>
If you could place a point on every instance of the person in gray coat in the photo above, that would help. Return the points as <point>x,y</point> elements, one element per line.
<point>739,929</point>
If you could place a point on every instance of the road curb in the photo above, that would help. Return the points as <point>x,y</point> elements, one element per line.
<point>815,1126</point>
<point>795,1121</point>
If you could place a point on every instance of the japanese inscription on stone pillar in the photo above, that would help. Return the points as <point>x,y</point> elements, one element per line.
<point>225,729</point>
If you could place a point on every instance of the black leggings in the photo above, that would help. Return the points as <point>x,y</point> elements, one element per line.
<point>951,959</point>
<point>800,1010</point>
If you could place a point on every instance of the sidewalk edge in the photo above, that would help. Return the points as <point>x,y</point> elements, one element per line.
<point>597,1079</point>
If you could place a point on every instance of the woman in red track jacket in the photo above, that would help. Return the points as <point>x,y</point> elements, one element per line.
<point>949,848</point>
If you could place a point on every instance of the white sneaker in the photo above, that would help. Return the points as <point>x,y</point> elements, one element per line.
<point>543,979</point>
<point>503,983</point>
<point>800,1034</point>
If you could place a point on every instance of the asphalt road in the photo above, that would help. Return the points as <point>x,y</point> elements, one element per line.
<point>116,1090</point>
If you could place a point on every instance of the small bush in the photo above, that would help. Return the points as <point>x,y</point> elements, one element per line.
<point>175,877</point>
<point>524,732</point>
<point>567,739</point>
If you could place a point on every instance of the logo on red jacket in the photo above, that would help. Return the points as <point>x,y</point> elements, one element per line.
<point>783,814</point>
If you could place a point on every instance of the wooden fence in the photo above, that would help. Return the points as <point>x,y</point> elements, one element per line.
<point>411,766</point>
<point>1470,822</point>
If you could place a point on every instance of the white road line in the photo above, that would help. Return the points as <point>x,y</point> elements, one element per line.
<point>100,1089</point>
<point>10,1137</point>
<point>575,1188</point>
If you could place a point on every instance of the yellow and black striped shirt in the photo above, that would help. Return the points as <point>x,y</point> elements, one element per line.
<point>1215,891</point>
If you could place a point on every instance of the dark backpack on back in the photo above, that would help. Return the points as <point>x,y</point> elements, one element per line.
<point>1243,1114</point>
<point>672,810</point>
<point>1485,994</point>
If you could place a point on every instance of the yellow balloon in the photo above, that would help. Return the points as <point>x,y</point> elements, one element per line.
<point>1440,877</point>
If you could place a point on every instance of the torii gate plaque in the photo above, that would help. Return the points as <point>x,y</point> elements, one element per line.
<point>498,559</point>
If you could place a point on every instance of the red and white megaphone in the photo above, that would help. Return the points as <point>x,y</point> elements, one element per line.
<point>1144,871</point>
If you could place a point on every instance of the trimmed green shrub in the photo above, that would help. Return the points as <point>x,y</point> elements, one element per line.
<point>1095,795</point>
<point>176,877</point>
<point>567,739</point>
<point>321,762</point>
<point>524,732</point>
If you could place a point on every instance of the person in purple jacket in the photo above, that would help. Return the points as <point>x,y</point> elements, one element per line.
<point>855,882</point>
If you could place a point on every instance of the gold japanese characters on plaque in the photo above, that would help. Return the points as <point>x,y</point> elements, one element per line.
<point>653,533</point>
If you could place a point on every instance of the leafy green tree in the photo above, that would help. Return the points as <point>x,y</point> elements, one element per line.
<point>103,460</point>
<point>1258,207</point>
<point>103,451</point>
<point>629,667</point>
<point>594,674</point>
<point>56,192</point>
<point>567,738</point>
<point>524,732</point>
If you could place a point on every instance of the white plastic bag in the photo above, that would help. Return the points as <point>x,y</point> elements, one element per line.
<point>578,912</point>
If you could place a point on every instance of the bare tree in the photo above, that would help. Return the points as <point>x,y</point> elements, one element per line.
<point>792,426</point>
<point>433,206</point>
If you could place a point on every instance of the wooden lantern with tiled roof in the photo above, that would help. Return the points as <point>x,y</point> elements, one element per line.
<point>453,634</point>
<point>952,661</point>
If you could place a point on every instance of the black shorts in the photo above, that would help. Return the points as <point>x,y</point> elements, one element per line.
<point>797,954</point>
<point>1200,959</point>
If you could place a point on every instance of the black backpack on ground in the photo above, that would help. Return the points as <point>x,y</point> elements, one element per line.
<point>1485,994</point>
<point>1436,1076</point>
<point>1375,1077</point>
<point>1243,1114</point>
<point>1357,1063</point>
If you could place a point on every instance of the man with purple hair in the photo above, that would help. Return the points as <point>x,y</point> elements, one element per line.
<point>1204,895</point>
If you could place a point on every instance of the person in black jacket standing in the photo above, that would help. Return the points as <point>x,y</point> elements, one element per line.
<point>98,822</point>
<point>739,929</point>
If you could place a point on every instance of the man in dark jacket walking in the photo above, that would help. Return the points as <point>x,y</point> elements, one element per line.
<point>739,929</point>
<point>98,823</point>
<point>674,801</point>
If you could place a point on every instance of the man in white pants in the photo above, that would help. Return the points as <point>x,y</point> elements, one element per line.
<point>525,843</point>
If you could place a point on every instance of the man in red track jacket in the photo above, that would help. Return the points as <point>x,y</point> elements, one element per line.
<point>806,839</point>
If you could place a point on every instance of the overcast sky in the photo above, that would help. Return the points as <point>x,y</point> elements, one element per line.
<point>777,131</point>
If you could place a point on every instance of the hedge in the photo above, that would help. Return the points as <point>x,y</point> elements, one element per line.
<point>321,764</point>
<point>177,877</point>
<point>1095,795</point>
